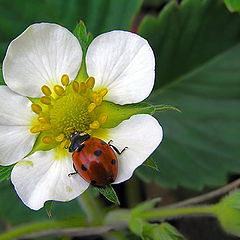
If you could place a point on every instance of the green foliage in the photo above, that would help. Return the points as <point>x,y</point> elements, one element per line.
<point>197,47</point>
<point>1,77</point>
<point>228,212</point>
<point>154,3</point>
<point>145,206</point>
<point>99,16</point>
<point>5,172</point>
<point>14,212</point>
<point>148,231</point>
<point>83,36</point>
<point>119,113</point>
<point>109,193</point>
<point>233,5</point>
<point>150,163</point>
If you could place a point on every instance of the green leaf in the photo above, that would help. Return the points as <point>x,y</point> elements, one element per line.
<point>154,3</point>
<point>150,163</point>
<point>145,206</point>
<point>197,54</point>
<point>14,212</point>
<point>148,231</point>
<point>83,36</point>
<point>5,172</point>
<point>136,226</point>
<point>109,193</point>
<point>165,231</point>
<point>118,113</point>
<point>48,207</point>
<point>99,16</point>
<point>233,5</point>
<point>1,78</point>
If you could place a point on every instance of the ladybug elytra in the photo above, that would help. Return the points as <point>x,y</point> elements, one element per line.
<point>93,159</point>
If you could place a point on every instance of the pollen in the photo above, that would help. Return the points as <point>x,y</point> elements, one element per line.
<point>98,100</point>
<point>91,107</point>
<point>47,140</point>
<point>35,129</point>
<point>65,80</point>
<point>45,100</point>
<point>82,87</point>
<point>42,119</point>
<point>103,92</point>
<point>46,127</point>
<point>75,86</point>
<point>103,118</point>
<point>36,108</point>
<point>95,124</point>
<point>59,90</point>
<point>90,82</point>
<point>63,144</point>
<point>60,137</point>
<point>68,108</point>
<point>46,90</point>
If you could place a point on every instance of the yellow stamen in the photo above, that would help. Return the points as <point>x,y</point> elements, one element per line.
<point>65,80</point>
<point>103,118</point>
<point>98,100</point>
<point>47,140</point>
<point>59,90</point>
<point>82,87</point>
<point>35,129</point>
<point>45,100</point>
<point>69,129</point>
<point>36,108</point>
<point>46,90</point>
<point>91,107</point>
<point>60,137</point>
<point>88,131</point>
<point>90,82</point>
<point>94,125</point>
<point>103,92</point>
<point>75,86</point>
<point>42,119</point>
<point>46,127</point>
<point>63,144</point>
<point>93,96</point>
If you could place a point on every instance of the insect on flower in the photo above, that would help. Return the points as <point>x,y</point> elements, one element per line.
<point>46,100</point>
<point>93,159</point>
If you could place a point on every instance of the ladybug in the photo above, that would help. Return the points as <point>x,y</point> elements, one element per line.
<point>93,159</point>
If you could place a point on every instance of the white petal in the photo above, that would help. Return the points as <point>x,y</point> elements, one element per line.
<point>41,55</point>
<point>41,177</point>
<point>15,109</point>
<point>141,134</point>
<point>15,143</point>
<point>124,63</point>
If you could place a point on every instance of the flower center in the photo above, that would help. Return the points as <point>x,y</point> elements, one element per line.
<point>68,108</point>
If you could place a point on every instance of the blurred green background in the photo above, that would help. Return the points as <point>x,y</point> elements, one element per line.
<point>197,49</point>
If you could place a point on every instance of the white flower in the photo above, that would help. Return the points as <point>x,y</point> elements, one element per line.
<point>39,64</point>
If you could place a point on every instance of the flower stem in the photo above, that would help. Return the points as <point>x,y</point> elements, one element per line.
<point>35,227</point>
<point>176,212</point>
<point>92,208</point>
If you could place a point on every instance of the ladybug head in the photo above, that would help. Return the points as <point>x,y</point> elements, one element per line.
<point>77,139</point>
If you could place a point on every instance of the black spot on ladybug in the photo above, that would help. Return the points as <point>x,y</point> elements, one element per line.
<point>113,161</point>
<point>93,182</point>
<point>103,143</point>
<point>84,167</point>
<point>80,148</point>
<point>97,153</point>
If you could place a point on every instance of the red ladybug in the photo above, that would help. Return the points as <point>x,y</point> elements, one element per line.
<point>93,159</point>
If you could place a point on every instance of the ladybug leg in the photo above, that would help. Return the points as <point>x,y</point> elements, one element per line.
<point>76,171</point>
<point>115,148</point>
